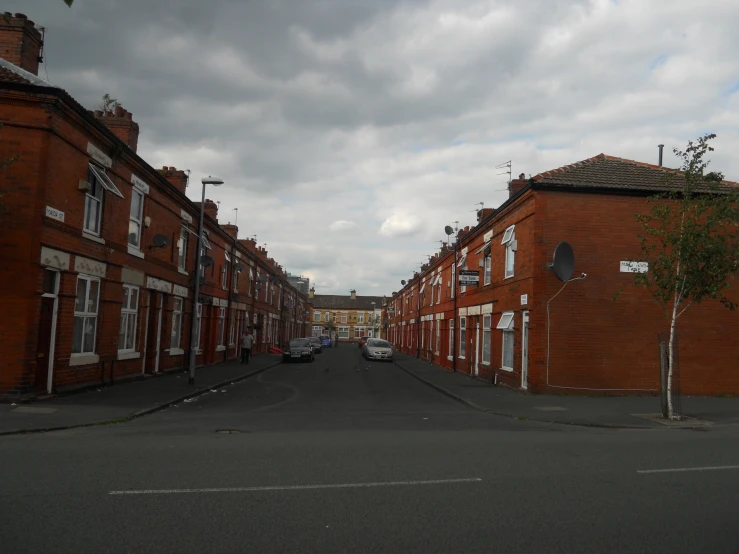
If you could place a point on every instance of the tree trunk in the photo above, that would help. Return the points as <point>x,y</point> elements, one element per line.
<point>671,365</point>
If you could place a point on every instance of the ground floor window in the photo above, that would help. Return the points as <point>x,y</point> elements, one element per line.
<point>486,339</point>
<point>317,330</point>
<point>343,332</point>
<point>232,332</point>
<point>462,336</point>
<point>85,315</point>
<point>506,325</point>
<point>198,324</point>
<point>221,325</point>
<point>129,317</point>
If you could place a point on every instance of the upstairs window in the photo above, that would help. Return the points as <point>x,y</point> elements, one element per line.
<point>136,218</point>
<point>511,245</point>
<point>182,248</point>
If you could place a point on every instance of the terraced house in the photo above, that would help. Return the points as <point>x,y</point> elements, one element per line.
<point>522,326</point>
<point>98,248</point>
<point>345,317</point>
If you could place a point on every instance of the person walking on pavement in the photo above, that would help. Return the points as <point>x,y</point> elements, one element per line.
<point>247,339</point>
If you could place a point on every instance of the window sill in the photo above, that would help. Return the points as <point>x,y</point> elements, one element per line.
<point>462,358</point>
<point>508,369</point>
<point>485,363</point>
<point>176,351</point>
<point>182,271</point>
<point>135,252</point>
<point>220,348</point>
<point>83,359</point>
<point>94,238</point>
<point>508,277</point>
<point>450,358</point>
<point>128,355</point>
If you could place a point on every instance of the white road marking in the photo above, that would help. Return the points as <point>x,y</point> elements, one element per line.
<point>684,469</point>
<point>301,487</point>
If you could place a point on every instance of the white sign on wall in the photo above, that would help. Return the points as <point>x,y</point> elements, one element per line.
<point>139,184</point>
<point>524,299</point>
<point>53,213</point>
<point>158,284</point>
<point>98,155</point>
<point>634,267</point>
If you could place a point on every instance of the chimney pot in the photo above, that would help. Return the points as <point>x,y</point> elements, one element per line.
<point>522,176</point>
<point>21,16</point>
<point>119,111</point>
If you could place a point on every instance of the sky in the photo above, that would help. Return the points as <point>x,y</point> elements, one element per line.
<point>349,133</point>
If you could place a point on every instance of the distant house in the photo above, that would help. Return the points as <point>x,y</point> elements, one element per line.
<point>349,317</point>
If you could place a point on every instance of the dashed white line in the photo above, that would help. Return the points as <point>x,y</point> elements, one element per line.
<point>300,487</point>
<point>685,469</point>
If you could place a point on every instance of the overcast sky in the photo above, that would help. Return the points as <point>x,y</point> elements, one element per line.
<point>350,132</point>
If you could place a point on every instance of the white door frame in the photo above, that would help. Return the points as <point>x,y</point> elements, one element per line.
<point>52,338</point>
<point>525,350</point>
<point>159,332</point>
<point>477,345</point>
<point>146,332</point>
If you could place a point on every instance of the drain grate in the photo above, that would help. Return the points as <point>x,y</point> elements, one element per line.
<point>230,431</point>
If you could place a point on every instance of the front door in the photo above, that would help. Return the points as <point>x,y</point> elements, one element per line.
<point>47,332</point>
<point>525,351</point>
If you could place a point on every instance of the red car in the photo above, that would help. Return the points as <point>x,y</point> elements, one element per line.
<point>362,340</point>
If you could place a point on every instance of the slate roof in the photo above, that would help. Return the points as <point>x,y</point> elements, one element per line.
<point>609,172</point>
<point>341,302</point>
<point>12,73</point>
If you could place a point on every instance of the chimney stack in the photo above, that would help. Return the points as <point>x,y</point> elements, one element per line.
<point>249,244</point>
<point>312,292</point>
<point>232,230</point>
<point>354,294</point>
<point>122,125</point>
<point>516,185</point>
<point>661,148</point>
<point>20,42</point>
<point>485,212</point>
<point>211,208</point>
<point>177,177</point>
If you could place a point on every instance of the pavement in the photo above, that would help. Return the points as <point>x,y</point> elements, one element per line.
<point>348,456</point>
<point>639,412</point>
<point>103,405</point>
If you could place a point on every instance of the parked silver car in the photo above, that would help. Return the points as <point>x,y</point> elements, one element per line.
<point>377,349</point>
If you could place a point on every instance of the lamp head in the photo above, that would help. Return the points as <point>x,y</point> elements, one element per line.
<point>215,181</point>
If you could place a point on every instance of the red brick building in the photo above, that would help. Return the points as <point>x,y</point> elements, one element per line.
<point>98,248</point>
<point>523,327</point>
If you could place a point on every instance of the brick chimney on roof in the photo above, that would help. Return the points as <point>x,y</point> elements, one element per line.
<point>122,125</point>
<point>484,213</point>
<point>177,177</point>
<point>516,185</point>
<point>232,230</point>
<point>20,42</point>
<point>354,294</point>
<point>211,208</point>
<point>312,292</point>
<point>249,244</point>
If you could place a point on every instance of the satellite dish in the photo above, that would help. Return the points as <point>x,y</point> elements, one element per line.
<point>448,230</point>
<point>207,261</point>
<point>402,282</point>
<point>564,261</point>
<point>160,241</point>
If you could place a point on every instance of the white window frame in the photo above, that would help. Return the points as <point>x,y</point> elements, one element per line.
<point>136,219</point>
<point>203,252</point>
<point>87,314</point>
<point>316,331</point>
<point>432,294</point>
<point>182,244</point>
<point>342,332</point>
<point>463,288</point>
<point>488,270</point>
<point>221,327</point>
<point>327,317</point>
<point>176,336</point>
<point>462,337</point>
<point>486,342</point>
<point>506,325</point>
<point>451,338</point>
<point>343,317</point>
<point>317,316</point>
<point>360,317</point>
<point>232,331</point>
<point>454,280</point>
<point>251,278</point>
<point>128,312</point>
<point>95,196</point>
<point>438,289</point>
<point>509,240</point>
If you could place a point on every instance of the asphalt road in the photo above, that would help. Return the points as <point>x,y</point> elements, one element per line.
<point>344,456</point>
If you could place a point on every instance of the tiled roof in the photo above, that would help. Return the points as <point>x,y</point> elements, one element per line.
<point>340,302</point>
<point>12,73</point>
<point>610,172</point>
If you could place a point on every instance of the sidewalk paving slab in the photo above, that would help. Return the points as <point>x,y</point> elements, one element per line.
<point>590,411</point>
<point>126,401</point>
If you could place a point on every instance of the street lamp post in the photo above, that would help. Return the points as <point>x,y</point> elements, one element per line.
<point>216,182</point>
